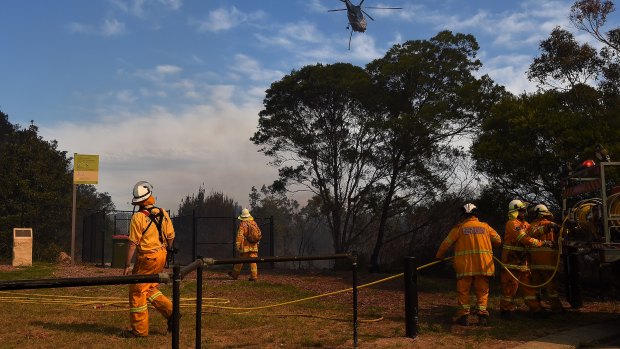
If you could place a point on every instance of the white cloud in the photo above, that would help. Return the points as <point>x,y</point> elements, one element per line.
<point>167,69</point>
<point>315,6</point>
<point>302,31</point>
<point>250,68</point>
<point>159,73</point>
<point>510,71</point>
<point>138,8</point>
<point>112,27</point>
<point>176,150</point>
<point>224,19</point>
<point>109,27</point>
<point>125,96</point>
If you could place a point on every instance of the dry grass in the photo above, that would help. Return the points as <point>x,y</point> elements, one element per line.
<point>321,323</point>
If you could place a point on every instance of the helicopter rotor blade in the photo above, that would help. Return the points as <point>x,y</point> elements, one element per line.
<point>340,9</point>
<point>385,8</point>
<point>361,2</point>
<point>368,15</point>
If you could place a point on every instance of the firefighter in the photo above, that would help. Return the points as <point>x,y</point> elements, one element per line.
<point>245,248</point>
<point>473,262</point>
<point>544,259</point>
<point>150,234</point>
<point>515,258</point>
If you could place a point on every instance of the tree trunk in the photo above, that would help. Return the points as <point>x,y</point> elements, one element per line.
<point>374,257</point>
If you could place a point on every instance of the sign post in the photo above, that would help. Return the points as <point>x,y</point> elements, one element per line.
<point>85,171</point>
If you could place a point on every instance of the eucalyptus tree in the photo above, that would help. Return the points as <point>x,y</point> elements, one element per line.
<point>316,126</point>
<point>523,148</point>
<point>430,98</point>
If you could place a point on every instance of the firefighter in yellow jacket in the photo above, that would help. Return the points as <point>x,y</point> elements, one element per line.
<point>245,248</point>
<point>150,234</point>
<point>473,262</point>
<point>515,258</point>
<point>544,259</point>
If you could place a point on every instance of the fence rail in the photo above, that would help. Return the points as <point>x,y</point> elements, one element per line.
<point>177,275</point>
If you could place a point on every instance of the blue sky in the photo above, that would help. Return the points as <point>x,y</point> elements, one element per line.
<point>169,90</point>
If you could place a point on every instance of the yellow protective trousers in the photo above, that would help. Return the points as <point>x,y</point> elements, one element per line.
<point>510,288</point>
<point>253,267</point>
<point>550,289</point>
<point>481,287</point>
<point>147,264</point>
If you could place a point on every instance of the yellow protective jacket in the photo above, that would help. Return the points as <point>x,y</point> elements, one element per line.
<point>544,258</point>
<point>473,251</point>
<point>241,244</point>
<point>516,244</point>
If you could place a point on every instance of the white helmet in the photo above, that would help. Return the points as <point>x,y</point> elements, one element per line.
<point>541,210</point>
<point>516,205</point>
<point>470,209</point>
<point>141,191</point>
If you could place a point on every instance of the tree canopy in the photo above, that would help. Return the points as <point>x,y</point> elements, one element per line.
<point>371,143</point>
<point>528,140</point>
<point>36,190</point>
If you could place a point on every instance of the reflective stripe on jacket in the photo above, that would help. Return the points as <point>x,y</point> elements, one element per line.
<point>544,258</point>
<point>516,241</point>
<point>473,251</point>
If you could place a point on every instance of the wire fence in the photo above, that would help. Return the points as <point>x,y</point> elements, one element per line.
<point>195,236</point>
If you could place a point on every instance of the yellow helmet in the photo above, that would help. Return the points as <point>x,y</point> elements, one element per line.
<point>516,205</point>
<point>542,210</point>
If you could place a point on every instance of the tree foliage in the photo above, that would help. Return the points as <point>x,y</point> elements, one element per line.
<point>316,127</point>
<point>216,204</point>
<point>525,144</point>
<point>591,16</point>
<point>372,143</point>
<point>36,190</point>
<point>563,62</point>
<point>429,98</point>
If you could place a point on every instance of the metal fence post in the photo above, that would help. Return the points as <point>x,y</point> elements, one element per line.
<point>198,306</point>
<point>176,298</point>
<point>194,237</point>
<point>103,241</point>
<point>234,238</point>
<point>354,270</point>
<point>272,249</point>
<point>411,297</point>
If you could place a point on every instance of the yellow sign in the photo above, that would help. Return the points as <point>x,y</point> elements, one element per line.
<point>85,169</point>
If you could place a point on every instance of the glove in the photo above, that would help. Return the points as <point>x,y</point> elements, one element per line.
<point>548,243</point>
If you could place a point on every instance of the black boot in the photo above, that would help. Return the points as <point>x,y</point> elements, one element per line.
<point>170,322</point>
<point>505,314</point>
<point>463,320</point>
<point>483,319</point>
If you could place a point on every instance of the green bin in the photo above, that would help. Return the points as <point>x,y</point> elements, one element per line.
<point>119,250</point>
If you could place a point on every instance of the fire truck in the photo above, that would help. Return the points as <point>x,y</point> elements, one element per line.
<point>591,218</point>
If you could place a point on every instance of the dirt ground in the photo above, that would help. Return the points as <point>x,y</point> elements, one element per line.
<point>381,309</point>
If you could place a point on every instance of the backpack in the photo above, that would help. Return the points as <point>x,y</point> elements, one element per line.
<point>158,218</point>
<point>253,234</point>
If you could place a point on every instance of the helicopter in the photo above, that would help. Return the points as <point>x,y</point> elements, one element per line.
<point>357,22</point>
